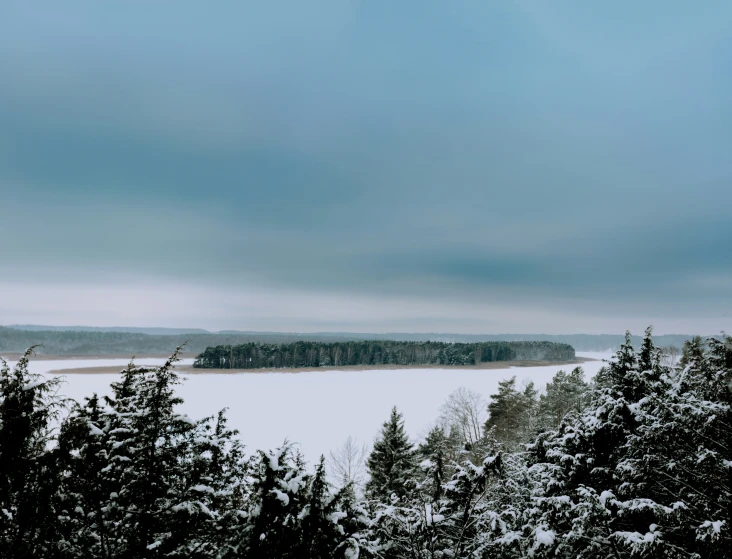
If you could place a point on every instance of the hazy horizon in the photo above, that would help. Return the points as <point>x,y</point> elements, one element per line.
<point>182,329</point>
<point>460,167</point>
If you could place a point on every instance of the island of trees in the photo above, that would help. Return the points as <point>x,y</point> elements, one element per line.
<point>376,352</point>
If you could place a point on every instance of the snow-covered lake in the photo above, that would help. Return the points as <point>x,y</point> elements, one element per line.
<point>320,409</point>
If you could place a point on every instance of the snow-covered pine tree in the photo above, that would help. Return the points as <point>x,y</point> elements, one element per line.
<point>576,469</point>
<point>644,470</point>
<point>215,492</point>
<point>86,527</point>
<point>29,476</point>
<point>144,481</point>
<point>436,453</point>
<point>293,514</point>
<point>675,471</point>
<point>392,462</point>
<point>324,532</point>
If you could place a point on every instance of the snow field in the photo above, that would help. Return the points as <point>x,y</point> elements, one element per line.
<point>320,409</point>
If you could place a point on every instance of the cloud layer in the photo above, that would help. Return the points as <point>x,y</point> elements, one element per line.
<point>466,166</point>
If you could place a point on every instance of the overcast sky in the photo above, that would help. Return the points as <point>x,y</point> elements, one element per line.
<point>455,166</point>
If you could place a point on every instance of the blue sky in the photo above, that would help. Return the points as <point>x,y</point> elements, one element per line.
<point>462,166</point>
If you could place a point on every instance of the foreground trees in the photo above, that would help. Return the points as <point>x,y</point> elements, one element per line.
<point>636,464</point>
<point>639,466</point>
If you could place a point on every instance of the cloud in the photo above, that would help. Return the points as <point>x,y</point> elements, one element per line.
<point>442,154</point>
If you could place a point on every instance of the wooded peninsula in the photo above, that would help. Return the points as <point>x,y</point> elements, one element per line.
<point>376,352</point>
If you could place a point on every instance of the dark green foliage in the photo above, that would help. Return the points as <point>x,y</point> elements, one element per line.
<point>340,354</point>
<point>436,452</point>
<point>293,514</point>
<point>392,462</point>
<point>28,478</point>
<point>565,393</point>
<point>643,471</point>
<point>141,480</point>
<point>512,413</point>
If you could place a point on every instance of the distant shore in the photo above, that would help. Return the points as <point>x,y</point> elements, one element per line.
<point>14,356</point>
<point>189,369</point>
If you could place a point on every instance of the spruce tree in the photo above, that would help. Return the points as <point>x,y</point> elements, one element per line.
<point>392,462</point>
<point>322,533</point>
<point>29,474</point>
<point>144,481</point>
<point>279,496</point>
<point>644,470</point>
<point>565,393</point>
<point>512,413</point>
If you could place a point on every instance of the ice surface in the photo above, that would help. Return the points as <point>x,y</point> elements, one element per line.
<point>320,409</point>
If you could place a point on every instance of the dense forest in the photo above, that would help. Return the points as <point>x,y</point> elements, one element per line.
<point>81,340</point>
<point>633,463</point>
<point>383,352</point>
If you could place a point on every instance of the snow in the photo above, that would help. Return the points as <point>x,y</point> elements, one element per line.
<point>282,496</point>
<point>96,431</point>
<point>544,537</point>
<point>317,410</point>
<point>716,526</point>
<point>604,496</point>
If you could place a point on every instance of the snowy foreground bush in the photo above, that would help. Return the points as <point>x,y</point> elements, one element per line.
<point>636,464</point>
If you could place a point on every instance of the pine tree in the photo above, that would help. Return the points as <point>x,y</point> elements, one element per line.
<point>436,452</point>
<point>512,413</point>
<point>565,393</point>
<point>279,496</point>
<point>144,481</point>
<point>322,534</point>
<point>644,470</point>
<point>391,463</point>
<point>29,475</point>
<point>294,514</point>
<point>86,489</point>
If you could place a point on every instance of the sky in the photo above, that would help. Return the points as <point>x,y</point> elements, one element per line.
<point>371,166</point>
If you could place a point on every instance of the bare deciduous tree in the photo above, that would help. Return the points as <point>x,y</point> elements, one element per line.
<point>348,464</point>
<point>670,355</point>
<point>465,411</point>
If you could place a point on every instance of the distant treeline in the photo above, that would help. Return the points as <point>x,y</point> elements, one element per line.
<point>376,352</point>
<point>81,340</point>
<point>72,342</point>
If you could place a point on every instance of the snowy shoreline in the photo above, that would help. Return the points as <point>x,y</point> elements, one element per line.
<point>329,404</point>
<point>186,367</point>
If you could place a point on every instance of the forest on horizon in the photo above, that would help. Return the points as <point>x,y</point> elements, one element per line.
<point>130,341</point>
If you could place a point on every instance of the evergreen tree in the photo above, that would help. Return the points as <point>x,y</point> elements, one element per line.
<point>29,475</point>
<point>512,413</point>
<point>437,452</point>
<point>83,455</point>
<point>321,533</point>
<point>565,393</point>
<point>144,481</point>
<point>643,470</point>
<point>294,514</point>
<point>278,497</point>
<point>391,463</point>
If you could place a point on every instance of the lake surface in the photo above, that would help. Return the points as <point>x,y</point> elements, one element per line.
<point>318,409</point>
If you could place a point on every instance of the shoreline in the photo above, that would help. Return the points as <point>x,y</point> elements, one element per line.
<point>14,356</point>
<point>190,370</point>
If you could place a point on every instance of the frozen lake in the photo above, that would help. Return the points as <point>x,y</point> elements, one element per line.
<point>320,409</point>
